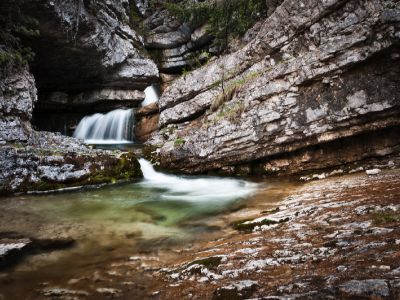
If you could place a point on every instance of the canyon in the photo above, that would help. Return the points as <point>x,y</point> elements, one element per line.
<point>301,91</point>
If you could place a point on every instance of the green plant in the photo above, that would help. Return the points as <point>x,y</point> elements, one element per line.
<point>383,218</point>
<point>248,225</point>
<point>179,142</point>
<point>229,90</point>
<point>225,19</point>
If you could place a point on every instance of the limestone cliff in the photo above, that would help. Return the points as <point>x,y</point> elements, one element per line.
<point>317,87</point>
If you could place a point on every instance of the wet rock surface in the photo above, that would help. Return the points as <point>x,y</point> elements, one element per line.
<point>146,121</point>
<point>308,78</point>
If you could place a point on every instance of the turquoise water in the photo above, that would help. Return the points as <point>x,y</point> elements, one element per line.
<point>158,201</point>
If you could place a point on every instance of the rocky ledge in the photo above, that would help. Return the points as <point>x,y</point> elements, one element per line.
<point>336,238</point>
<point>317,78</point>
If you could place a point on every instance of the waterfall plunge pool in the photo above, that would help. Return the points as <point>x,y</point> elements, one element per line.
<point>154,218</point>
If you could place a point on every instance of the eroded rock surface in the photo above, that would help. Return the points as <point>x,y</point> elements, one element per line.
<point>315,74</point>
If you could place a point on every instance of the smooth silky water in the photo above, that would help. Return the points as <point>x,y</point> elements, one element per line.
<point>154,216</point>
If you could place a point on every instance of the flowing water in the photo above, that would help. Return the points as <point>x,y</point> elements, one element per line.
<point>151,95</point>
<point>115,127</point>
<point>112,223</point>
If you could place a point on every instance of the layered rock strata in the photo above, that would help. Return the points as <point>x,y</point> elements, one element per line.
<point>316,76</point>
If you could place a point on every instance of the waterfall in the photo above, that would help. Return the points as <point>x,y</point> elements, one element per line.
<point>115,127</point>
<point>195,189</point>
<point>151,95</point>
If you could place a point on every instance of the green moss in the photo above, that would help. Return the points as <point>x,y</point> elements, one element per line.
<point>209,262</point>
<point>243,226</point>
<point>384,218</point>
<point>149,152</point>
<point>179,142</point>
<point>272,211</point>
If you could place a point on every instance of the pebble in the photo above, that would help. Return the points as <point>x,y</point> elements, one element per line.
<point>373,171</point>
<point>341,268</point>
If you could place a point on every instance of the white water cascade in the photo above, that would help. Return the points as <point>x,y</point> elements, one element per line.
<point>115,127</point>
<point>151,95</point>
<point>196,189</point>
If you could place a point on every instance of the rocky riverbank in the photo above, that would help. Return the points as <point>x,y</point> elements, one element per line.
<point>336,238</point>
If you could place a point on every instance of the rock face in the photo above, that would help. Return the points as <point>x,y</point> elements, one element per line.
<point>175,45</point>
<point>88,57</point>
<point>37,161</point>
<point>147,122</point>
<point>318,77</point>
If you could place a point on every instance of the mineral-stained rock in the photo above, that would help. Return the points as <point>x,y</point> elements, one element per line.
<point>314,74</point>
<point>146,121</point>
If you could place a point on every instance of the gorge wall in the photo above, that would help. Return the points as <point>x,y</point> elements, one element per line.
<point>317,87</point>
<point>312,85</point>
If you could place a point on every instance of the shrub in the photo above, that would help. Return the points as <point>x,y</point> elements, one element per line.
<point>14,26</point>
<point>225,19</point>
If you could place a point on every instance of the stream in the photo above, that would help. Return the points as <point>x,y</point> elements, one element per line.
<point>154,217</point>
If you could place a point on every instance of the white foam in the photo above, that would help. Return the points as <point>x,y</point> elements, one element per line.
<point>196,189</point>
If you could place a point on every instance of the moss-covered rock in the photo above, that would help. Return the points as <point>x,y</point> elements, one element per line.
<point>42,169</point>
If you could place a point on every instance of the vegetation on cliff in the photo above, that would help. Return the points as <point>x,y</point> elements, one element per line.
<point>225,19</point>
<point>14,26</point>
